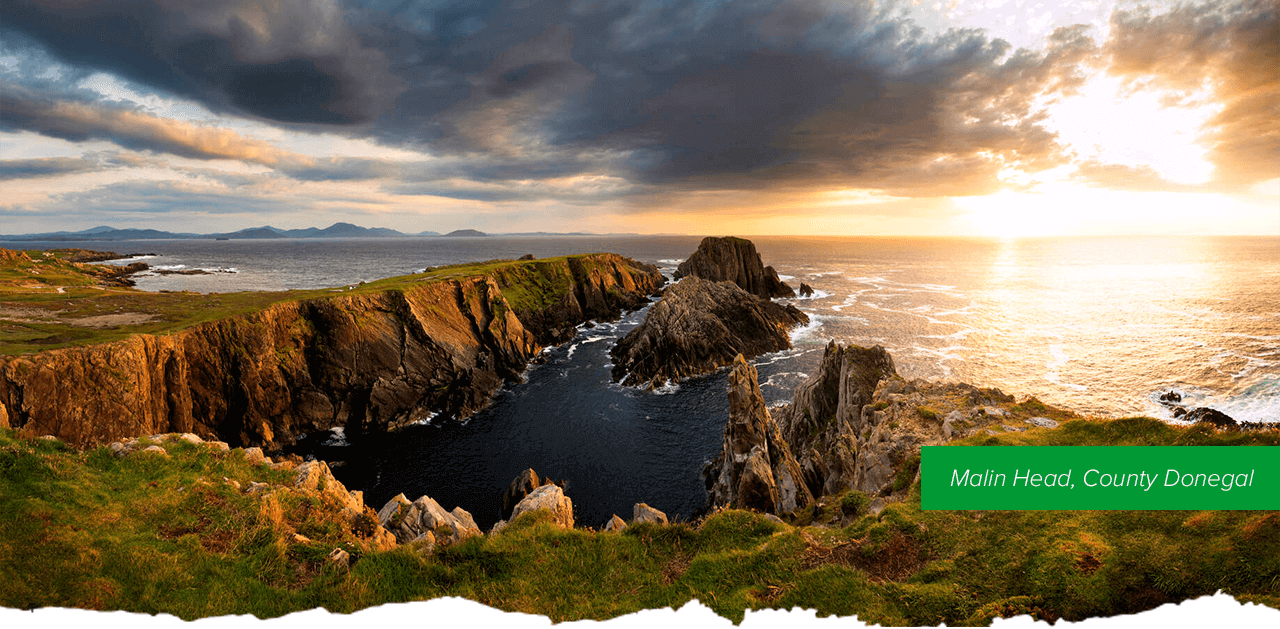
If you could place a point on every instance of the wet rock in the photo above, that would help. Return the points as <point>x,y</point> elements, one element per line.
<point>734,260</point>
<point>699,326</point>
<point>755,468</point>
<point>1206,415</point>
<point>1171,397</point>
<point>806,290</point>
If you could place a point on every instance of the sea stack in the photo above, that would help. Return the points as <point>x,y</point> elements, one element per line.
<point>719,310</point>
<point>730,259</point>
<point>699,326</point>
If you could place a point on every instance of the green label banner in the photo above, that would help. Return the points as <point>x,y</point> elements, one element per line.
<point>1099,477</point>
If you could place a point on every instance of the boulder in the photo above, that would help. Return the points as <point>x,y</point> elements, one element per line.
<point>1171,397</point>
<point>254,456</point>
<point>755,468</point>
<point>616,524</point>
<point>157,450</point>
<point>549,498</point>
<point>734,260</point>
<point>806,290</point>
<point>1043,422</point>
<point>340,557</point>
<point>522,486</point>
<point>699,326</point>
<point>642,512</point>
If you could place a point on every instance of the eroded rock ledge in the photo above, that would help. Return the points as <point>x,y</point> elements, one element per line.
<point>362,361</point>
<point>699,326</point>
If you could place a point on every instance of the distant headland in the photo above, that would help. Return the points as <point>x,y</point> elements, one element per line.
<point>336,230</point>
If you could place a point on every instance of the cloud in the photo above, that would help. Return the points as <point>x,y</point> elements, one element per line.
<point>21,109</point>
<point>1229,46</point>
<point>44,167</point>
<point>687,93</point>
<point>293,61</point>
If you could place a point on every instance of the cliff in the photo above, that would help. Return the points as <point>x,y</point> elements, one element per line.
<point>439,345</point>
<point>734,260</point>
<point>699,326</point>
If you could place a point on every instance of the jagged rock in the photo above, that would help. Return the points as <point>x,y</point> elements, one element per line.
<point>699,326</point>
<point>1171,397</point>
<point>409,521</point>
<point>755,468</point>
<point>642,512</point>
<point>1179,412</point>
<point>616,524</point>
<point>1206,415</point>
<point>498,527</point>
<point>550,498</point>
<point>522,486</point>
<point>734,260</point>
<point>806,290</point>
<point>830,413</point>
<point>315,476</point>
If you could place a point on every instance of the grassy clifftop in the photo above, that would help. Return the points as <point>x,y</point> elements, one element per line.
<point>48,301</point>
<point>183,534</point>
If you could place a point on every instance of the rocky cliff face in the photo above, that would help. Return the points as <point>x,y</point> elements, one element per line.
<point>699,326</point>
<point>755,468</point>
<point>734,260</point>
<point>855,422</point>
<point>374,361</point>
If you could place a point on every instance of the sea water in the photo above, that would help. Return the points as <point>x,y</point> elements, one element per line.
<point>1100,326</point>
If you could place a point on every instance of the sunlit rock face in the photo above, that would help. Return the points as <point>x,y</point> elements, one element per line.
<point>755,468</point>
<point>734,260</point>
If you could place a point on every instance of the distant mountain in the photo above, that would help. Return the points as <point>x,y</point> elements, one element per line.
<point>337,230</point>
<point>465,233</point>
<point>101,233</point>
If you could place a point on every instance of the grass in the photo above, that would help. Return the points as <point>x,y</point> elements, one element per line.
<point>145,533</point>
<point>48,302</point>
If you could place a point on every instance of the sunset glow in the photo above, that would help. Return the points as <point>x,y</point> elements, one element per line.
<point>947,118</point>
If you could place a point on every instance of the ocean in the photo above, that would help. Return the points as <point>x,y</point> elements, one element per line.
<point>1100,326</point>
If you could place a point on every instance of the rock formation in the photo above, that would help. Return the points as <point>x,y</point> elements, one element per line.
<point>415,521</point>
<point>361,361</point>
<point>855,422</point>
<point>547,498</point>
<point>755,468</point>
<point>522,486</point>
<point>806,290</point>
<point>699,326</point>
<point>734,260</point>
<point>642,512</point>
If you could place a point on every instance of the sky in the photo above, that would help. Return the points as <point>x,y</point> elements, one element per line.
<point>754,117</point>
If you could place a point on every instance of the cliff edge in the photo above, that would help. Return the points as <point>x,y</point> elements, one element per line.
<point>425,347</point>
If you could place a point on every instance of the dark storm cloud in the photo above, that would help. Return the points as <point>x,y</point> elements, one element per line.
<point>1234,47</point>
<point>293,61</point>
<point>684,94</point>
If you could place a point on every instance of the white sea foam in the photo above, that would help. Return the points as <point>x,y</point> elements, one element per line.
<point>817,294</point>
<point>667,388</point>
<point>338,438</point>
<point>786,277</point>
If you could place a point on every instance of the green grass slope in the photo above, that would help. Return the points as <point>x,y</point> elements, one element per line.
<point>173,534</point>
